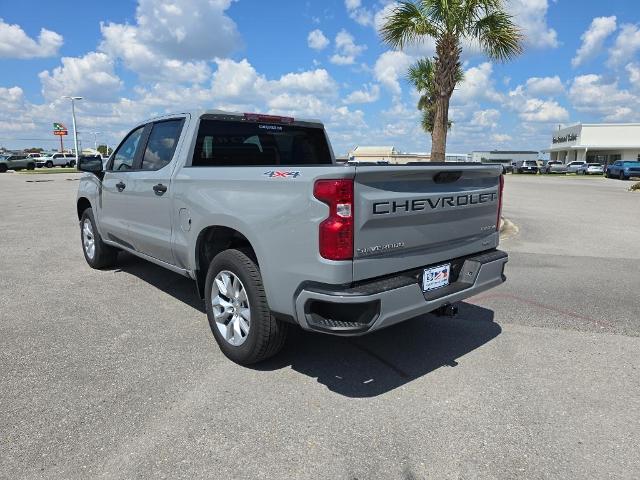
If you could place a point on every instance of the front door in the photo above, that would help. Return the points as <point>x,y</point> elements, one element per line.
<point>115,184</point>
<point>149,194</point>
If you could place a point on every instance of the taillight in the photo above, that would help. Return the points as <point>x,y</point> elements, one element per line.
<point>500,202</point>
<point>336,232</point>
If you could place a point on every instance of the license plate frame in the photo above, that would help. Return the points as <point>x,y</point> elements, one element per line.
<point>434,278</point>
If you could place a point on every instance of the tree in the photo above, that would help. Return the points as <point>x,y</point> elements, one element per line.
<point>451,23</point>
<point>103,150</point>
<point>421,75</point>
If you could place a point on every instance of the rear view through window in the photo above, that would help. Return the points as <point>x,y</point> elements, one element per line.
<point>238,143</point>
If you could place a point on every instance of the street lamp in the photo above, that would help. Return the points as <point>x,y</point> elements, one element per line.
<point>95,140</point>
<point>73,115</point>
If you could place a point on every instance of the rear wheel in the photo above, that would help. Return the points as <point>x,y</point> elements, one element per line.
<point>31,166</point>
<point>97,253</point>
<point>238,312</point>
<point>3,167</point>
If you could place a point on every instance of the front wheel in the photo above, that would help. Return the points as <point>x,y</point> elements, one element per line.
<point>49,164</point>
<point>31,166</point>
<point>238,312</point>
<point>97,253</point>
<point>621,176</point>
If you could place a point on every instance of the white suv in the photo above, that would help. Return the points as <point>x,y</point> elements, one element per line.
<point>58,160</point>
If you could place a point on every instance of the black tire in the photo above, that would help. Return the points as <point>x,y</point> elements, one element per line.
<point>31,166</point>
<point>266,335</point>
<point>72,163</point>
<point>104,255</point>
<point>3,167</point>
<point>49,164</point>
<point>621,175</point>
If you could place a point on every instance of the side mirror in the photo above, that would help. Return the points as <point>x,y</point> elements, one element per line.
<point>90,164</point>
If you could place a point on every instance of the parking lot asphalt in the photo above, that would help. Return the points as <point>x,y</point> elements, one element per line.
<point>115,374</point>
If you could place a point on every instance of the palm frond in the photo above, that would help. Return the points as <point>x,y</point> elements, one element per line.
<point>498,35</point>
<point>407,24</point>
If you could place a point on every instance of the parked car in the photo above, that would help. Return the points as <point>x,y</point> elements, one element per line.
<point>16,162</point>
<point>594,169</point>
<point>527,166</point>
<point>578,167</point>
<point>34,155</point>
<point>623,170</point>
<point>218,196</point>
<point>553,166</point>
<point>58,160</point>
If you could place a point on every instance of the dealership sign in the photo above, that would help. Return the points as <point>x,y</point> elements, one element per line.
<point>59,129</point>
<point>570,137</point>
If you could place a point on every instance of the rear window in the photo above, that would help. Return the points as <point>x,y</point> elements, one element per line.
<point>224,143</point>
<point>530,162</point>
<point>595,164</point>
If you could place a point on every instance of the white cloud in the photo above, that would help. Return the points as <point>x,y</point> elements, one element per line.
<point>486,118</point>
<point>531,17</point>
<point>317,40</point>
<point>633,70</point>
<point>546,86</point>
<point>15,43</point>
<point>173,40</point>
<point>346,49</point>
<point>357,12</point>
<point>537,110</point>
<point>369,94</point>
<point>501,138</point>
<point>626,45</point>
<point>593,39</point>
<point>314,81</point>
<point>533,109</point>
<point>477,85</point>
<point>389,67</point>
<point>603,99</point>
<point>91,76</point>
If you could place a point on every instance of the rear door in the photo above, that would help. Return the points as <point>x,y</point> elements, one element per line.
<point>149,193</point>
<point>408,217</point>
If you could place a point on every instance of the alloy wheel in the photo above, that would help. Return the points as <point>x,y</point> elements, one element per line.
<point>231,309</point>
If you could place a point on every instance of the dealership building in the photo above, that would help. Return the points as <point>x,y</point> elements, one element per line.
<point>596,143</point>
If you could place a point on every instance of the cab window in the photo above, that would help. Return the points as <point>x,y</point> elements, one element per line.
<point>162,143</point>
<point>124,156</point>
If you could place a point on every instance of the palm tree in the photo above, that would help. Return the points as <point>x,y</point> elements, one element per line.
<point>451,23</point>
<point>421,75</point>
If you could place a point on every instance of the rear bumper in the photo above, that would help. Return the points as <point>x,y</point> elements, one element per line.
<point>377,304</point>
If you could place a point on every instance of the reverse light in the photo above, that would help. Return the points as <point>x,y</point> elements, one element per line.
<point>336,231</point>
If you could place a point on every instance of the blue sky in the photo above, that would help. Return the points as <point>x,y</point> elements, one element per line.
<point>323,59</point>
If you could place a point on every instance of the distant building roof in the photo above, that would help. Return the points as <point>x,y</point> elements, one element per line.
<point>384,150</point>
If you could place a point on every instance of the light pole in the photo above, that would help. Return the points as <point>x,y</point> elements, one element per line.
<point>73,116</point>
<point>95,140</point>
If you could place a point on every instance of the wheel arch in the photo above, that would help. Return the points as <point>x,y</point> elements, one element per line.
<point>211,241</point>
<point>81,205</point>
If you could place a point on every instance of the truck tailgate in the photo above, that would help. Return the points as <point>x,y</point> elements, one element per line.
<point>411,216</point>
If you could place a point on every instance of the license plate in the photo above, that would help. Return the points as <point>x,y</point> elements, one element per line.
<point>436,277</point>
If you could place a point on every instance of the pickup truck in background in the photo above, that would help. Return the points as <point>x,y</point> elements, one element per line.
<point>255,210</point>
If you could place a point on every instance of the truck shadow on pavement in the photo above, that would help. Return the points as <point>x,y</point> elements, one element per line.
<point>357,367</point>
<point>374,364</point>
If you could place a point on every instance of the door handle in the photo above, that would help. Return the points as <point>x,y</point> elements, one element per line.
<point>120,186</point>
<point>160,189</point>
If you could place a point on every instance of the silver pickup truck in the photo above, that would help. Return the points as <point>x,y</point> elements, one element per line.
<point>255,210</point>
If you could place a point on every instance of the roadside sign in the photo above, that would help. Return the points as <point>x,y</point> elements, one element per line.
<point>59,129</point>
